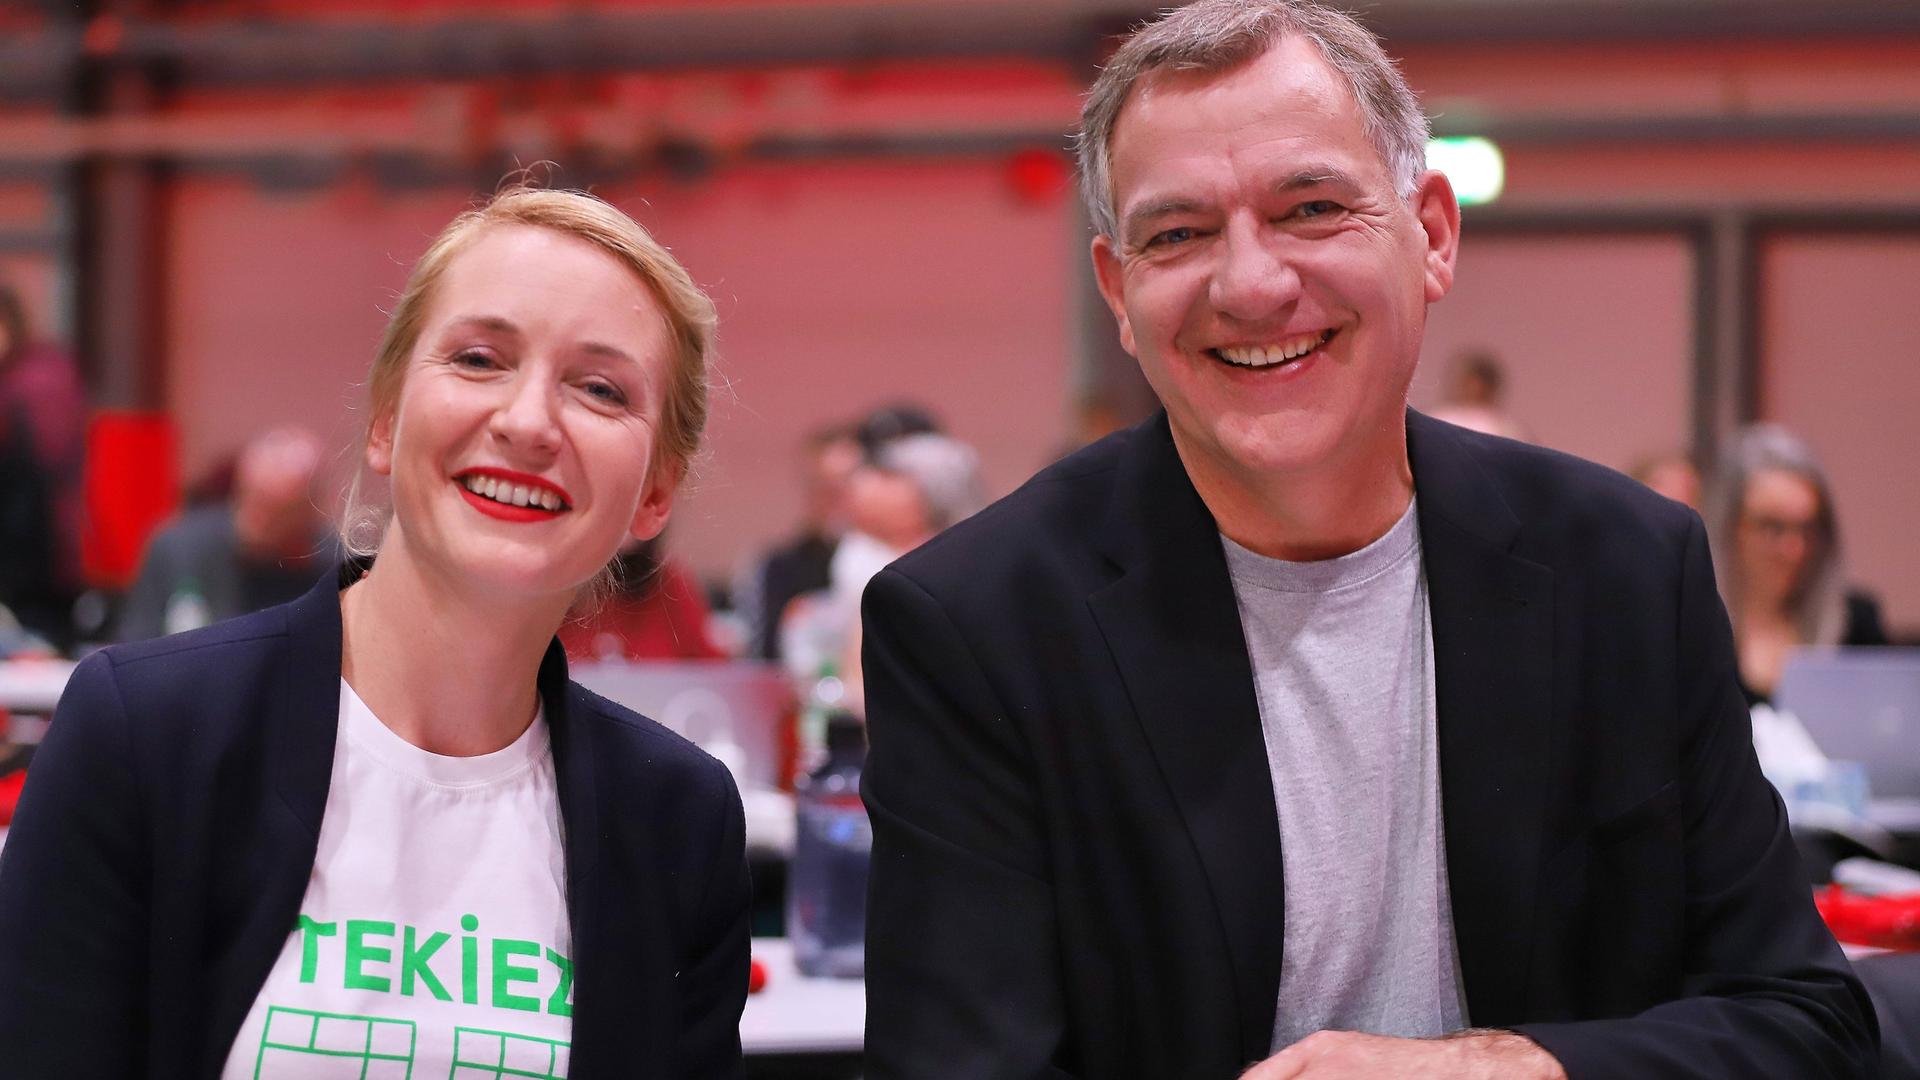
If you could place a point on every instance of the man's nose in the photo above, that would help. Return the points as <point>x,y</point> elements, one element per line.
<point>529,418</point>
<point>1253,279</point>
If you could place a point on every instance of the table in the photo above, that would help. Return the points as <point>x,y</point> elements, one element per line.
<point>795,1014</point>
<point>33,686</point>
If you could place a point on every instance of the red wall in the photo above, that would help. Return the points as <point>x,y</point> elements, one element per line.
<point>1841,366</point>
<point>844,283</point>
<point>840,286</point>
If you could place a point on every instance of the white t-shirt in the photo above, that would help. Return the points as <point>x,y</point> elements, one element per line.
<point>433,940</point>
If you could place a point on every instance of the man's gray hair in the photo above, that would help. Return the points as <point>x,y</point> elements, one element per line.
<point>1211,36</point>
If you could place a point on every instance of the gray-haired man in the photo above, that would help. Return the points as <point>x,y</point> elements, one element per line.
<point>1292,728</point>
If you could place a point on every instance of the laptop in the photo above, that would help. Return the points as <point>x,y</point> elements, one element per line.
<point>738,710</point>
<point>1862,704</point>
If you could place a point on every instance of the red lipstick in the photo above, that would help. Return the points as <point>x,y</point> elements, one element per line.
<point>508,511</point>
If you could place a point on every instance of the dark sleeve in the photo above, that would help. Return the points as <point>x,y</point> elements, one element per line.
<point>963,977</point>
<point>1863,621</point>
<point>713,980</point>
<point>1766,991</point>
<point>73,903</point>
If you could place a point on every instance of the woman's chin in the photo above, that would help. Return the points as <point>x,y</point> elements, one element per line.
<point>519,576</point>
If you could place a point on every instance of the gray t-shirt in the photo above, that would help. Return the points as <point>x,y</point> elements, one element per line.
<point>1342,653</point>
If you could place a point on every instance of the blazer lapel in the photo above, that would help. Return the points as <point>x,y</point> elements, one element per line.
<point>597,991</point>
<point>310,718</point>
<point>299,745</point>
<point>1173,626</point>
<point>1492,615</point>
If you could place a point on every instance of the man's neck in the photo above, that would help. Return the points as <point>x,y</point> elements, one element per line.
<point>1315,514</point>
<point>450,670</point>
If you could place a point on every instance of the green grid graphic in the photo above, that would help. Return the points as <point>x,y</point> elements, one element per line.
<point>479,1054</point>
<point>301,1030</point>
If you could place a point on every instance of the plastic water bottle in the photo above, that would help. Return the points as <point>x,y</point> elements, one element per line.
<point>832,849</point>
<point>186,609</point>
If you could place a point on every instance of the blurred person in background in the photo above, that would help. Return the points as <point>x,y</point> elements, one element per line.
<point>801,564</point>
<point>655,611</point>
<point>915,487</point>
<point>909,488</point>
<point>1777,553</point>
<point>283,821</point>
<point>813,625</point>
<point>895,421</point>
<point>1476,397</point>
<point>1672,475</point>
<point>43,417</point>
<point>263,545</point>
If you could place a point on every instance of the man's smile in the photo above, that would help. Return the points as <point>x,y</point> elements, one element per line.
<point>1273,353</point>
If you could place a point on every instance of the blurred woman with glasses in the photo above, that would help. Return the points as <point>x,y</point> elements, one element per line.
<point>1776,551</point>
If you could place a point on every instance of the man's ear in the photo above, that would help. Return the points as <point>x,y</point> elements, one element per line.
<point>1111,277</point>
<point>1439,214</point>
<point>379,449</point>
<point>656,503</point>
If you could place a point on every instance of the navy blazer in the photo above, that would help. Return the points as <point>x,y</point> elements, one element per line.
<point>1077,864</point>
<point>167,832</point>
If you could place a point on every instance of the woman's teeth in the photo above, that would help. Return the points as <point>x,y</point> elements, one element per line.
<point>1259,356</point>
<point>501,491</point>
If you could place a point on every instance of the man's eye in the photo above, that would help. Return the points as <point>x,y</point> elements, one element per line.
<point>1171,236</point>
<point>1317,208</point>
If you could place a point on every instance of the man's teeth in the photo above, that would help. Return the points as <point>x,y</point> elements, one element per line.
<point>1268,355</point>
<point>490,487</point>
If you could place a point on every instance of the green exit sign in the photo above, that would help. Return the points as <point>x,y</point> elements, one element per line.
<point>1472,164</point>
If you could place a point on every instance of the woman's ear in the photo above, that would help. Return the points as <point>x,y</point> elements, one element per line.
<point>656,503</point>
<point>379,449</point>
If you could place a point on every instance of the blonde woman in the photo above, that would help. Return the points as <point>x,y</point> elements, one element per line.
<point>378,826</point>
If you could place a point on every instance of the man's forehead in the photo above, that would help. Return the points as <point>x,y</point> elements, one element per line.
<point>1289,75</point>
<point>1284,109</point>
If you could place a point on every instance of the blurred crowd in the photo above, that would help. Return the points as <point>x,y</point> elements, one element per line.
<point>258,528</point>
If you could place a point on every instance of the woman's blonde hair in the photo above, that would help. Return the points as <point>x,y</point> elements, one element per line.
<point>689,312</point>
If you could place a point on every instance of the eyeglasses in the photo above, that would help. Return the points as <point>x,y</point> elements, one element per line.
<point>1774,529</point>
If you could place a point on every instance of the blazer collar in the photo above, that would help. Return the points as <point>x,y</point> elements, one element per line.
<point>1494,654</point>
<point>1173,624</point>
<point>303,739</point>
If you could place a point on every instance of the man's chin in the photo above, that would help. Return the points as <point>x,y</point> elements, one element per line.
<point>1277,447</point>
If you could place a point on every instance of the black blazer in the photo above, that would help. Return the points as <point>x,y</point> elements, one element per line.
<point>168,828</point>
<point>1077,863</point>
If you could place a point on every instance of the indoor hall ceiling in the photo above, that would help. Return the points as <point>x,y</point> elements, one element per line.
<point>290,41</point>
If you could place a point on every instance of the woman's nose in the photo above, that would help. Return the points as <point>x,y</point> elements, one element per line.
<point>529,418</point>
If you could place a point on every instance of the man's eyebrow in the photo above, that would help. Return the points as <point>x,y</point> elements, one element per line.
<point>1315,176</point>
<point>1158,208</point>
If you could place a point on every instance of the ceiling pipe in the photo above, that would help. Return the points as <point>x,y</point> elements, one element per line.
<point>215,51</point>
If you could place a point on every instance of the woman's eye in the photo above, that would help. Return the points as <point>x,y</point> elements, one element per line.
<point>473,358</point>
<point>606,392</point>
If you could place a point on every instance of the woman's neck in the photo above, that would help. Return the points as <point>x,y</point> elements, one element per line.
<point>450,669</point>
